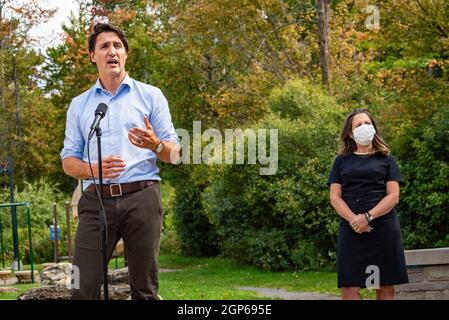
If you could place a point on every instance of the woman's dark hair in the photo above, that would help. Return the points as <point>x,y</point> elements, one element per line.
<point>349,145</point>
<point>105,27</point>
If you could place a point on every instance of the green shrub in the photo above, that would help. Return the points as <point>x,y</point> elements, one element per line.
<point>305,256</point>
<point>267,249</point>
<point>275,221</point>
<point>40,194</point>
<point>194,231</point>
<point>423,152</point>
<point>170,243</point>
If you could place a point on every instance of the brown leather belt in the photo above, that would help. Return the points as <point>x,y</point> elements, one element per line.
<point>119,189</point>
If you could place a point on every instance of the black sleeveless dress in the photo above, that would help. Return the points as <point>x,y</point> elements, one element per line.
<point>363,181</point>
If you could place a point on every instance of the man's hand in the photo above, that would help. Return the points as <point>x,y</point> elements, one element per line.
<point>359,223</point>
<point>141,138</point>
<point>113,166</point>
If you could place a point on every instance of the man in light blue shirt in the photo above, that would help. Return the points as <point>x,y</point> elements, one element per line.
<point>136,131</point>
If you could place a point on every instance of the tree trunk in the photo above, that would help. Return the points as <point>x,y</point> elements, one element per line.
<point>17,98</point>
<point>19,146</point>
<point>323,12</point>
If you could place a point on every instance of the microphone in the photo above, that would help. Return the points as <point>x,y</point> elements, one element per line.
<point>99,114</point>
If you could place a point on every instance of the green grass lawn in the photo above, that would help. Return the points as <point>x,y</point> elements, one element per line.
<point>218,278</point>
<point>215,278</point>
<point>22,288</point>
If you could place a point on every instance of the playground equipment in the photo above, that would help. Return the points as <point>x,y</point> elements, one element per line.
<point>5,274</point>
<point>16,241</point>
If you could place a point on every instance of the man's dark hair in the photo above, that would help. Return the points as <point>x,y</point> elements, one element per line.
<point>106,27</point>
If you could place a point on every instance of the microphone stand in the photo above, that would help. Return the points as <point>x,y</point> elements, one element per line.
<point>103,220</point>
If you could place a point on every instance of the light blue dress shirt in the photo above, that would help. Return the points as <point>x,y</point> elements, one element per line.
<point>126,109</point>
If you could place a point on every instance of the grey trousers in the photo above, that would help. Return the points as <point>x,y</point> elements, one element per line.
<point>137,218</point>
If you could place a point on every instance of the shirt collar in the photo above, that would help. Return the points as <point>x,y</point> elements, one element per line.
<point>127,81</point>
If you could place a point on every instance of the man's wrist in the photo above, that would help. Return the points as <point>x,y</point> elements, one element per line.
<point>159,147</point>
<point>88,171</point>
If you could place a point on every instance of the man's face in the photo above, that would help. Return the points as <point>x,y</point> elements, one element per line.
<point>109,55</point>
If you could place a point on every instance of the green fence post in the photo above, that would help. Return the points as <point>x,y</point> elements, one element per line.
<point>16,240</point>
<point>31,244</point>
<point>1,241</point>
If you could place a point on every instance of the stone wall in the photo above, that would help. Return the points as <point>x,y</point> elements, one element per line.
<point>428,271</point>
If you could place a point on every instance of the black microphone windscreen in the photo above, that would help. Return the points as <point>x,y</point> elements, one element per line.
<point>101,109</point>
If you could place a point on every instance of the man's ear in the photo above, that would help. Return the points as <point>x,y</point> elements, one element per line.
<point>91,56</point>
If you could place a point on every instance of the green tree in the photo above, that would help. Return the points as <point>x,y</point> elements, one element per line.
<point>26,117</point>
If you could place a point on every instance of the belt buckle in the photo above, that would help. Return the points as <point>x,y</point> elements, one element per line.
<point>111,188</point>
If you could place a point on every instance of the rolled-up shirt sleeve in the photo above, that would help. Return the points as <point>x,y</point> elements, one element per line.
<point>160,119</point>
<point>74,140</point>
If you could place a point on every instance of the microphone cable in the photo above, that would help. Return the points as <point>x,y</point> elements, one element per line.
<point>99,114</point>
<point>97,190</point>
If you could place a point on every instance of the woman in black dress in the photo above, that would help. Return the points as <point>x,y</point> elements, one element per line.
<point>364,190</point>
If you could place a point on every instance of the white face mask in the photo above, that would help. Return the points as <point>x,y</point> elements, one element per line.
<point>364,134</point>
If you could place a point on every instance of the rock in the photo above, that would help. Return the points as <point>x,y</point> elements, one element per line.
<point>57,274</point>
<point>121,276</point>
<point>57,292</point>
<point>118,276</point>
<point>118,292</point>
<point>60,292</point>
<point>55,279</point>
<point>48,264</point>
<point>437,273</point>
<point>61,274</point>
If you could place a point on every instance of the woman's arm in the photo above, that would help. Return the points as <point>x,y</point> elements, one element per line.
<point>359,225</point>
<point>339,204</point>
<point>388,202</point>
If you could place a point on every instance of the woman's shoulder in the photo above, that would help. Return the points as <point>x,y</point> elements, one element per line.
<point>392,160</point>
<point>388,157</point>
<point>343,156</point>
